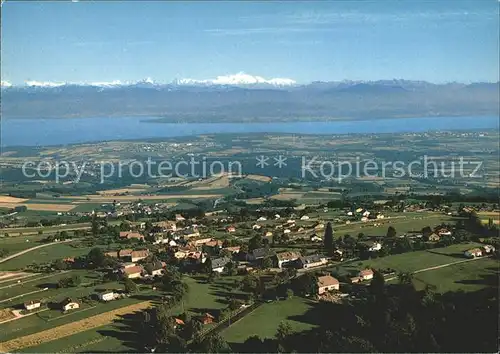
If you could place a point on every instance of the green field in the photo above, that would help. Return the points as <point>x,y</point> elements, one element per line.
<point>88,207</point>
<point>469,276</point>
<point>409,223</point>
<point>413,261</point>
<point>89,341</point>
<point>202,297</point>
<point>48,229</point>
<point>17,244</point>
<point>45,255</point>
<point>265,320</point>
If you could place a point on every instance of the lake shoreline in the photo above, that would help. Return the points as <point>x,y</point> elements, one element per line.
<point>56,132</point>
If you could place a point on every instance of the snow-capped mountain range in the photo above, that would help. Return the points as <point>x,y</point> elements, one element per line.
<point>243,97</point>
<point>239,79</point>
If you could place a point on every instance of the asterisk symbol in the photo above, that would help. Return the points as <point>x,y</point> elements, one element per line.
<point>280,161</point>
<point>262,161</point>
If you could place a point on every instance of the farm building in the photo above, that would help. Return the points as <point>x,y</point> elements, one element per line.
<point>69,304</point>
<point>207,319</point>
<point>132,272</point>
<point>327,283</point>
<point>286,257</point>
<point>311,261</point>
<point>366,274</point>
<point>125,253</point>
<point>106,296</point>
<point>218,264</point>
<point>260,253</point>
<point>129,235</point>
<point>434,237</point>
<point>138,255</point>
<point>234,249</point>
<point>487,249</point>
<point>473,253</point>
<point>32,305</point>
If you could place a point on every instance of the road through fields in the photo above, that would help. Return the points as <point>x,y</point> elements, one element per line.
<point>32,249</point>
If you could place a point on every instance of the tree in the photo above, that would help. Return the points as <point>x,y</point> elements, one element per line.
<point>60,264</point>
<point>76,280</point>
<point>253,344</point>
<point>426,232</point>
<point>308,284</point>
<point>234,304</point>
<point>267,263</point>
<point>96,257</point>
<point>130,286</point>
<point>289,293</point>
<point>250,283</point>
<point>230,268</point>
<point>377,284</point>
<point>391,232</point>
<point>179,290</point>
<point>255,242</point>
<point>284,330</point>
<point>328,239</point>
<point>95,225</point>
<point>207,266</point>
<point>244,248</point>
<point>405,278</point>
<point>214,344</point>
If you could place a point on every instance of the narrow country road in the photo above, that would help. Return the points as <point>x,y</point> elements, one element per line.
<point>441,266</point>
<point>31,249</point>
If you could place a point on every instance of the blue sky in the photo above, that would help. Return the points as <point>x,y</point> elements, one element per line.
<point>437,41</point>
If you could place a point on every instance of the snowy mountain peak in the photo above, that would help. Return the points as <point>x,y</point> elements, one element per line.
<point>44,83</point>
<point>237,79</point>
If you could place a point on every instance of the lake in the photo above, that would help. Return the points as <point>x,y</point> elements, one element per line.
<point>42,132</point>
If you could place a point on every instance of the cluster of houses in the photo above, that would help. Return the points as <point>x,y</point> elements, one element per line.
<point>363,215</point>
<point>327,283</point>
<point>66,305</point>
<point>479,251</point>
<point>69,304</point>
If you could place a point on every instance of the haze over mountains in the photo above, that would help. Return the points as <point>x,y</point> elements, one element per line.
<point>243,97</point>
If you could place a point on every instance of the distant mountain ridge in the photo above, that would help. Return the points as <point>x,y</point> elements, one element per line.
<point>249,98</point>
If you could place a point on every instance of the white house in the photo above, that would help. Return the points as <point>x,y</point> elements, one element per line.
<point>291,221</point>
<point>377,246</point>
<point>172,243</point>
<point>69,304</point>
<point>156,272</point>
<point>277,216</point>
<point>106,296</point>
<point>31,305</point>
<point>305,217</point>
<point>488,249</point>
<point>261,219</point>
<point>218,264</point>
<point>286,231</point>
<point>316,238</point>
<point>256,227</point>
<point>366,274</point>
